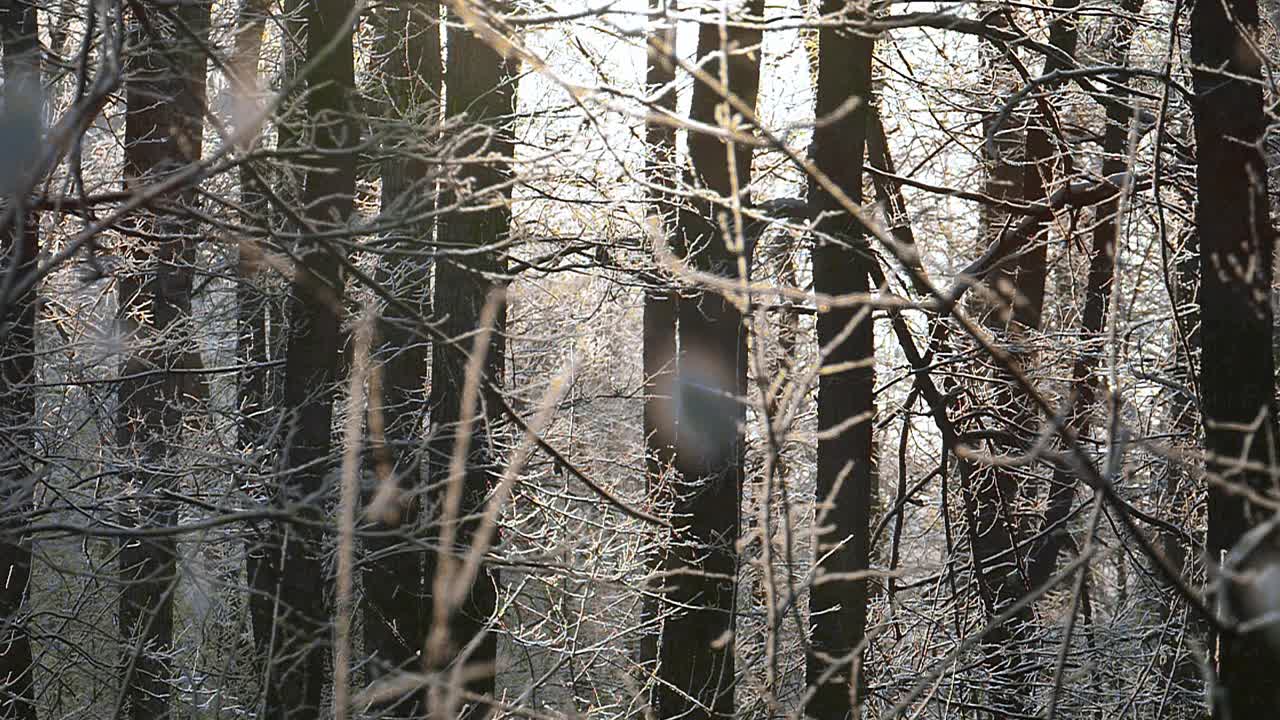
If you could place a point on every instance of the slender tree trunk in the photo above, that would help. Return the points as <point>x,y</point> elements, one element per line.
<point>393,575</point>
<point>888,193</point>
<point>291,124</point>
<point>297,668</point>
<point>1236,368</point>
<point>19,250</point>
<point>996,493</point>
<point>659,352</point>
<point>480,83</point>
<point>696,651</point>
<point>257,383</point>
<point>1093,321</point>
<point>1181,493</point>
<point>163,130</point>
<point>263,322</point>
<point>846,403</point>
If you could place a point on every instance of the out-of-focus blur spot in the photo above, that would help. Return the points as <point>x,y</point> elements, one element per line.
<point>703,408</point>
<point>1252,590</point>
<point>19,134</point>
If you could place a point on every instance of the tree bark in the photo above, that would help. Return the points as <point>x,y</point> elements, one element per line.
<point>994,499</point>
<point>257,313</point>
<point>296,671</point>
<point>479,83</point>
<point>659,328</point>
<point>846,403</point>
<point>696,651</point>
<point>1236,368</point>
<point>163,133</point>
<point>19,251</point>
<point>393,574</point>
<point>1093,321</point>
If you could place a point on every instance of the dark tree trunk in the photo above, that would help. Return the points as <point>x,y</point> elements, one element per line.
<point>888,193</point>
<point>257,313</point>
<point>481,84</point>
<point>393,575</point>
<point>297,669</point>
<point>163,130</point>
<point>1181,493</point>
<point>263,322</point>
<point>659,351</point>
<point>846,403</point>
<point>19,250</point>
<point>996,492</point>
<point>696,651</point>
<point>1093,321</point>
<point>1236,367</point>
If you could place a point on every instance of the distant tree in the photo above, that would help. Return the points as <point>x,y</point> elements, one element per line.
<point>1028,159</point>
<point>164,129</point>
<point>1097,298</point>
<point>409,65</point>
<point>1182,494</point>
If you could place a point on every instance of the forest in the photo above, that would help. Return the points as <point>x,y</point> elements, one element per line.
<point>639,359</point>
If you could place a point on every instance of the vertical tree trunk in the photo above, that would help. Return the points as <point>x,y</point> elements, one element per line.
<point>257,382</point>
<point>1093,321</point>
<point>19,250</point>
<point>163,132</point>
<point>297,669</point>
<point>1181,491</point>
<point>696,652</point>
<point>1236,368</point>
<point>393,575</point>
<point>838,605</point>
<point>659,351</point>
<point>263,323</point>
<point>997,492</point>
<point>480,83</point>
<point>252,346</point>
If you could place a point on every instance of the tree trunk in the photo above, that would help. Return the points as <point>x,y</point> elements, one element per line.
<point>480,83</point>
<point>163,131</point>
<point>1182,492</point>
<point>257,313</point>
<point>19,250</point>
<point>1023,172</point>
<point>1093,321</point>
<point>659,351</point>
<point>846,403</point>
<point>263,323</point>
<point>297,669</point>
<point>393,575</point>
<point>1236,368</point>
<point>696,651</point>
